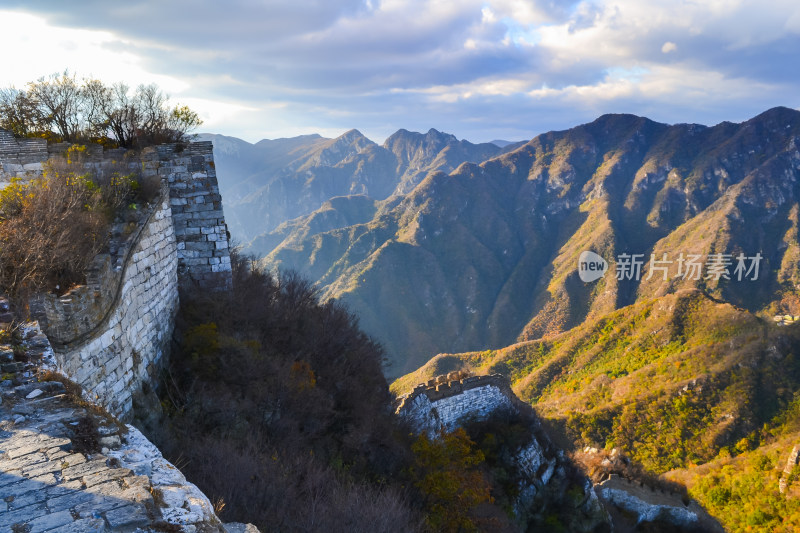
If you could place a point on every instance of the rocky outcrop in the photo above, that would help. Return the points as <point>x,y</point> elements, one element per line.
<point>66,467</point>
<point>791,463</point>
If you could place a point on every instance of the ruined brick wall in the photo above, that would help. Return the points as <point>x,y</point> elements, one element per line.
<point>112,335</point>
<point>126,352</point>
<point>18,156</point>
<point>24,158</point>
<point>200,230</point>
<point>81,311</point>
<point>448,402</point>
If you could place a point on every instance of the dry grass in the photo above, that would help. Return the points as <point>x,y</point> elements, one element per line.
<point>52,227</point>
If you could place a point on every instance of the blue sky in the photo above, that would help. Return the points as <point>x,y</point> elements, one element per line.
<point>481,70</point>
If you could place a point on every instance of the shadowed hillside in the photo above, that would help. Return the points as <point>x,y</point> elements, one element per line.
<point>274,181</point>
<point>487,254</point>
<point>673,382</point>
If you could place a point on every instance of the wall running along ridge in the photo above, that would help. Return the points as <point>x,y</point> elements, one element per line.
<point>448,400</point>
<point>129,349</point>
<point>200,229</point>
<point>112,335</point>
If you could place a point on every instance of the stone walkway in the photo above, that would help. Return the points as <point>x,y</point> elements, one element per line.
<point>48,486</point>
<point>66,467</point>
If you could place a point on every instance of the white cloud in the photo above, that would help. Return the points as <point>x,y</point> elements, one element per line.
<point>40,49</point>
<point>216,113</point>
<point>333,65</point>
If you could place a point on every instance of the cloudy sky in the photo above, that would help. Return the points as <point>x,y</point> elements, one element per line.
<point>482,69</point>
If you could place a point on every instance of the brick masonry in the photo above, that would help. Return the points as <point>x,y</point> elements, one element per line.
<point>112,335</point>
<point>200,229</point>
<point>449,400</point>
<point>128,350</point>
<point>24,158</point>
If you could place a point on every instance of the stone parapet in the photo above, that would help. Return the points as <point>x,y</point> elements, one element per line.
<point>200,229</point>
<point>126,351</point>
<point>112,334</point>
<point>447,400</point>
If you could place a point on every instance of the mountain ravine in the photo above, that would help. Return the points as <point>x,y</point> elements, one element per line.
<point>486,255</point>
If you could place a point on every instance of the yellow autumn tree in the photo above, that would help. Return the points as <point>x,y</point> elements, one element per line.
<point>446,471</point>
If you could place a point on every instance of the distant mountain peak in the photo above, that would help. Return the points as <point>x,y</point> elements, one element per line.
<point>776,113</point>
<point>501,143</point>
<point>663,190</point>
<point>351,135</point>
<point>617,120</point>
<point>307,137</point>
<point>440,135</point>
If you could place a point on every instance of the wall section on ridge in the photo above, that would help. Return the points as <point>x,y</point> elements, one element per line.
<point>126,353</point>
<point>112,335</point>
<point>201,233</point>
<point>447,403</point>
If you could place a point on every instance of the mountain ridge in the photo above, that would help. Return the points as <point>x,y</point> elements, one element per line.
<point>274,181</point>
<point>473,250</point>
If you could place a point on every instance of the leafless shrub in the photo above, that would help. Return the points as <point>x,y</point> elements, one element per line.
<point>286,491</point>
<point>52,227</point>
<point>280,409</point>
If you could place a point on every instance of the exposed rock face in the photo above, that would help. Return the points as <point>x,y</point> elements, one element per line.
<point>791,462</point>
<point>183,503</point>
<point>66,469</point>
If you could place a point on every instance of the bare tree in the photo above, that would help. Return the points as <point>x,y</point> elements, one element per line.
<point>18,113</point>
<point>93,110</point>
<point>157,122</point>
<point>61,102</point>
<point>113,113</point>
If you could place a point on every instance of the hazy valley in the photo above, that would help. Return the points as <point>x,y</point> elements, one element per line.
<point>485,255</point>
<point>476,260</point>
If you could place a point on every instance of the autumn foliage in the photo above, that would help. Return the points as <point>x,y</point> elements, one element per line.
<point>447,472</point>
<point>52,227</point>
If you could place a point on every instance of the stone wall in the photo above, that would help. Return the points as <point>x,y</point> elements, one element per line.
<point>23,158</point>
<point>448,402</point>
<point>125,353</point>
<point>200,229</point>
<point>16,154</point>
<point>112,334</point>
<point>82,310</point>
